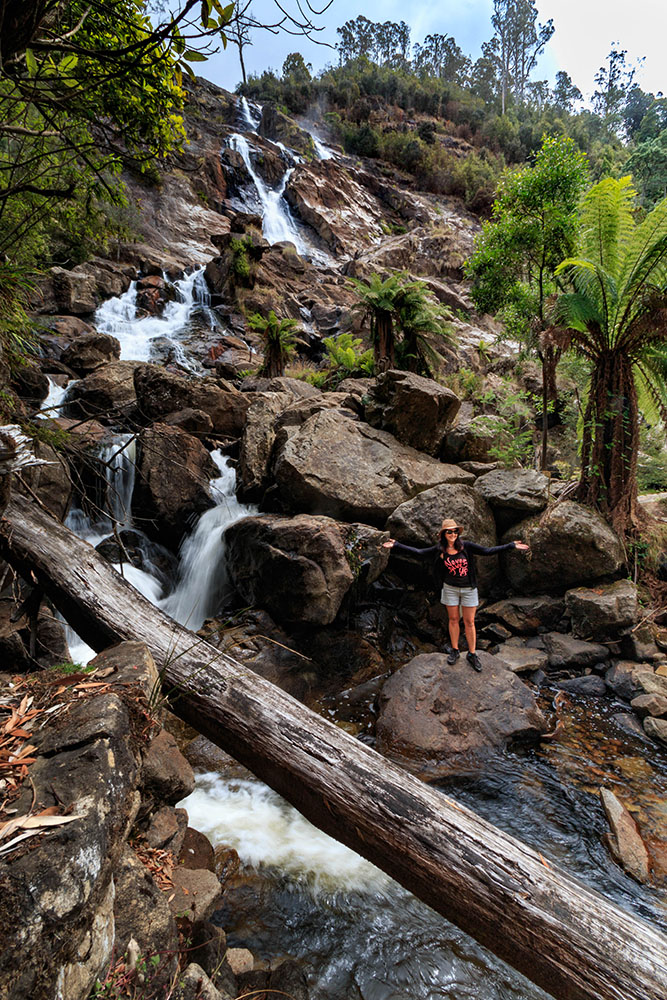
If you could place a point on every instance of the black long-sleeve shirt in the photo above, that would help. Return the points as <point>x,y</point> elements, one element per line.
<point>457,570</point>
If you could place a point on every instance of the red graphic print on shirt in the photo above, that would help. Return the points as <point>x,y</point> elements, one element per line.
<point>456,565</point>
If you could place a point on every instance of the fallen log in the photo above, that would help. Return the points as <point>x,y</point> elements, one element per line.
<point>561,935</point>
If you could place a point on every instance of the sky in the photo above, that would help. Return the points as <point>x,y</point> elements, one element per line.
<point>584,35</point>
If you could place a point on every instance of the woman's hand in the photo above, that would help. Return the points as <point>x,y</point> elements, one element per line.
<point>390,544</point>
<point>522,546</point>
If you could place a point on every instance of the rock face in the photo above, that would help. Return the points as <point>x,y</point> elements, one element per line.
<point>435,718</point>
<point>417,522</point>
<point>472,438</point>
<point>298,568</point>
<point>570,545</point>
<point>336,466</point>
<point>173,471</point>
<point>416,410</point>
<point>259,436</point>
<point>514,493</point>
<point>600,612</point>
<point>564,651</point>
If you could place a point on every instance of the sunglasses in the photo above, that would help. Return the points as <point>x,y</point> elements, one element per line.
<point>451,531</point>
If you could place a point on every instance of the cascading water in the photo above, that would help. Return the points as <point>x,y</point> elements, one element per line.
<point>53,403</point>
<point>250,116</point>
<point>118,317</point>
<point>322,151</point>
<point>202,576</point>
<point>277,221</point>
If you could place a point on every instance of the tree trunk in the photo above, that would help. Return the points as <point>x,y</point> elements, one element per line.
<point>569,940</point>
<point>611,439</point>
<point>384,341</point>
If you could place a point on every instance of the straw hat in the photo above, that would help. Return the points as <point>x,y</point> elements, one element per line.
<point>449,523</point>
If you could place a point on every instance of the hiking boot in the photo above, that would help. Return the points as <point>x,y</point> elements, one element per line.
<point>474,661</point>
<point>453,656</point>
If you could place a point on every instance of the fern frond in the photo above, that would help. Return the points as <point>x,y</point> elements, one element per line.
<point>607,221</point>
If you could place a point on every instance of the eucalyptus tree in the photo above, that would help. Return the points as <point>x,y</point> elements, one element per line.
<point>615,316</point>
<point>513,267</point>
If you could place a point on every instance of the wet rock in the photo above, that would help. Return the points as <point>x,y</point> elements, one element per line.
<point>597,613</point>
<point>436,718</point>
<point>527,614</point>
<point>513,493</point>
<point>656,729</point>
<point>650,681</point>
<point>570,545</point>
<point>166,829</point>
<point>206,756</point>
<point>416,410</point>
<point>90,352</point>
<point>166,774</point>
<point>566,652</point>
<point>297,568</point>
<point>522,659</point>
<point>624,840</point>
<point>622,679</point>
<point>194,984</point>
<point>142,912</point>
<point>290,978</point>
<point>196,850</point>
<point>334,465</point>
<point>589,684</point>
<point>107,394</point>
<point>227,863</point>
<point>650,704</point>
<point>417,522</point>
<point>173,473</point>
<point>196,893</point>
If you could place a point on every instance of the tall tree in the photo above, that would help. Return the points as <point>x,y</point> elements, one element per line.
<point>614,82</point>
<point>616,317</point>
<point>565,93</point>
<point>514,264</point>
<point>520,41</point>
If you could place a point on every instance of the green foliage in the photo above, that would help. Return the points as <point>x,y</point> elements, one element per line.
<point>614,314</point>
<point>17,339</point>
<point>84,91</point>
<point>466,383</point>
<point>69,667</point>
<point>513,434</point>
<point>648,166</point>
<point>278,336</point>
<point>240,261</point>
<point>347,357</point>
<point>534,226</point>
<point>652,461</point>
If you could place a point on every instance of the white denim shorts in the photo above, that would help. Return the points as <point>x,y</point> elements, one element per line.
<point>464,597</point>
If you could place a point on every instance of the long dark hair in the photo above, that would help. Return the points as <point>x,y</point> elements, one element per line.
<point>442,541</point>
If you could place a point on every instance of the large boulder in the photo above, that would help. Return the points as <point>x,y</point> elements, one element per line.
<point>435,719</point>
<point>74,292</point>
<point>107,394</point>
<point>52,482</point>
<point>417,522</point>
<point>597,613</point>
<point>527,614</point>
<point>570,545</point>
<point>513,494</point>
<point>337,466</point>
<point>566,652</point>
<point>91,351</point>
<point>416,410</point>
<point>161,393</point>
<point>259,436</point>
<point>173,471</point>
<point>299,568</point>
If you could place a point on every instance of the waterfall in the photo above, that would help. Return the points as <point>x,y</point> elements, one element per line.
<point>249,118</point>
<point>202,575</point>
<point>52,404</point>
<point>118,316</point>
<point>277,221</point>
<point>322,151</point>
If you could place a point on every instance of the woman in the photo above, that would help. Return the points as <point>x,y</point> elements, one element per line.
<point>455,568</point>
